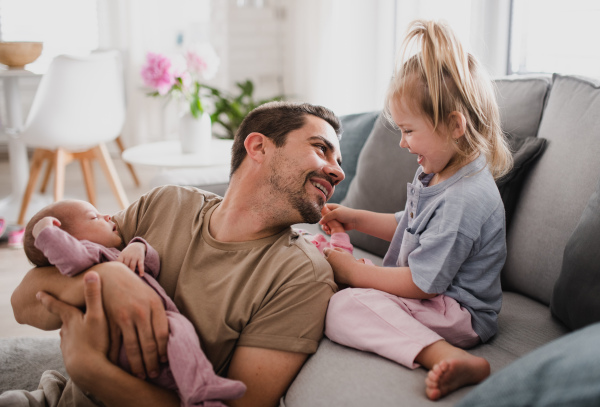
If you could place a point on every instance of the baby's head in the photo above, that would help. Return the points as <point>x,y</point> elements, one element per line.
<point>448,87</point>
<point>80,219</point>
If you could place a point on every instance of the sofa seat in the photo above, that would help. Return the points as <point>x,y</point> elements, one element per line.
<point>352,377</point>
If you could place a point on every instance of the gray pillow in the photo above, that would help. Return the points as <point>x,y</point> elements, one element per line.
<point>382,172</point>
<point>521,101</point>
<point>564,372</point>
<point>356,128</point>
<point>525,151</point>
<point>576,299</point>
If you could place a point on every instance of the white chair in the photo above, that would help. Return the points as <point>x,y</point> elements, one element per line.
<point>78,107</point>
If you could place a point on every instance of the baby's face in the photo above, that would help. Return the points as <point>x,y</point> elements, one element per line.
<point>87,224</point>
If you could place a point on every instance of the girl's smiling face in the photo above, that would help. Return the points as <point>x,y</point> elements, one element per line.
<point>433,147</point>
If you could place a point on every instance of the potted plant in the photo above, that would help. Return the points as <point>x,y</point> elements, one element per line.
<point>180,77</point>
<point>231,109</point>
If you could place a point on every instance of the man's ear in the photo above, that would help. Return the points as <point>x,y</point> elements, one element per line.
<point>457,124</point>
<point>256,144</point>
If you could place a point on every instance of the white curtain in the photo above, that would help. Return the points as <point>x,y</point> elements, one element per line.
<point>340,53</point>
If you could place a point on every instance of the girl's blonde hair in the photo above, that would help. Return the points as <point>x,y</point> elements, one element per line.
<point>442,78</point>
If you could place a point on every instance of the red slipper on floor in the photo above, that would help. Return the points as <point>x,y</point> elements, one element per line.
<point>15,238</point>
<point>2,226</point>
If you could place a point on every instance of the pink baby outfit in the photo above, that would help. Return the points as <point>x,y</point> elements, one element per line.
<point>341,240</point>
<point>188,371</point>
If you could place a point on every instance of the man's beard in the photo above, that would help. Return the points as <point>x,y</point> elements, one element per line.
<point>310,211</point>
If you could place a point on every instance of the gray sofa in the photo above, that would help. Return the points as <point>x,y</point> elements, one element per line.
<point>550,202</point>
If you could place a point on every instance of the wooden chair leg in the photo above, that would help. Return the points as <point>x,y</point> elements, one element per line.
<point>88,178</point>
<point>111,174</point>
<point>36,165</point>
<point>60,162</point>
<point>47,176</point>
<point>131,170</point>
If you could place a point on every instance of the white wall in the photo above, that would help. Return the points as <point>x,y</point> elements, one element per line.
<point>338,53</point>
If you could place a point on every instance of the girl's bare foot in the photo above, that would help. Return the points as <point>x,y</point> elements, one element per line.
<point>455,372</point>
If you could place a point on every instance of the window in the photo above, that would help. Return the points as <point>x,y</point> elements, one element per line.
<point>64,26</point>
<point>555,36</point>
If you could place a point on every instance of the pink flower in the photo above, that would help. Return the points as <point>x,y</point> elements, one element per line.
<point>159,73</point>
<point>202,61</point>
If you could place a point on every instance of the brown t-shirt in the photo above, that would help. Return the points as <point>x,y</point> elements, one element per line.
<point>268,293</point>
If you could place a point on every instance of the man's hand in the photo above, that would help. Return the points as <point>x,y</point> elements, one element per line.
<point>84,344</point>
<point>136,312</point>
<point>44,223</point>
<point>84,337</point>
<point>133,257</point>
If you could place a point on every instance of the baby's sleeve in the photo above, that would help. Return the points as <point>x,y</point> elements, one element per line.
<point>68,254</point>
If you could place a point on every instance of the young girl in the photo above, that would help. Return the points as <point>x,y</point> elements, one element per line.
<point>73,236</point>
<point>439,290</point>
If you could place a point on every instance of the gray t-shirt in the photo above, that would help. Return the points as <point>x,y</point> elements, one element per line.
<point>452,236</point>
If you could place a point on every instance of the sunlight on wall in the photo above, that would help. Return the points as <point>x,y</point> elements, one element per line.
<point>53,23</point>
<point>562,38</point>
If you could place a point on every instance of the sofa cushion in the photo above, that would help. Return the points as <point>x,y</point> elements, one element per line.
<point>565,372</point>
<point>525,151</point>
<point>521,102</point>
<point>382,172</point>
<point>356,128</point>
<point>557,188</point>
<point>580,274</point>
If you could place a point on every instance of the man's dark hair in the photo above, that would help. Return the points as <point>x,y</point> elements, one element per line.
<point>275,120</point>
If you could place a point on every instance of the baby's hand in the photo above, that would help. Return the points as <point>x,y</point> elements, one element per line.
<point>44,223</point>
<point>342,263</point>
<point>133,257</point>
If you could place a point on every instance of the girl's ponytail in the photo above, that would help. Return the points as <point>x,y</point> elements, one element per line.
<point>440,78</point>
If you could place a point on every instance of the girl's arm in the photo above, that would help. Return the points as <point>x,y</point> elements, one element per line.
<point>381,225</point>
<point>394,280</point>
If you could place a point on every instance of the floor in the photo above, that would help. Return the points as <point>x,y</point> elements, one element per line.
<point>13,263</point>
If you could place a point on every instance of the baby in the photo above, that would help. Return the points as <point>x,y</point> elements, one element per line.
<point>73,236</point>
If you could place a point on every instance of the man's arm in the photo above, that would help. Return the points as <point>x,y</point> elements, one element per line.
<point>266,373</point>
<point>134,309</point>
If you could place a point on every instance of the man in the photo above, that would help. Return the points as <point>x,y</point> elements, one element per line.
<point>256,293</point>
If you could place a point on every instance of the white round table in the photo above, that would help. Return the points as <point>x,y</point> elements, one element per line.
<point>203,168</point>
<point>167,154</point>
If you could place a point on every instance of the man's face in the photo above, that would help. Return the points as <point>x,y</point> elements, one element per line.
<point>305,170</point>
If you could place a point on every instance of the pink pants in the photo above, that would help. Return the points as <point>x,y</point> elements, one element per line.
<point>396,328</point>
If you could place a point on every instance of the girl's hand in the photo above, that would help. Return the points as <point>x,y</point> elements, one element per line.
<point>44,223</point>
<point>334,212</point>
<point>344,265</point>
<point>84,337</point>
<point>133,257</point>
